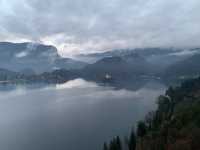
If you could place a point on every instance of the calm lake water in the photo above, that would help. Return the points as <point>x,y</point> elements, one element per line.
<point>77,115</point>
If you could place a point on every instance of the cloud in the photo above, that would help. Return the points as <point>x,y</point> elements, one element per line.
<point>76,26</point>
<point>21,54</point>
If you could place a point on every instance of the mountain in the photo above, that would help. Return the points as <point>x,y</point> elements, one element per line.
<point>142,51</point>
<point>187,68</point>
<point>36,57</point>
<point>123,67</point>
<point>160,57</point>
<point>145,52</point>
<point>120,67</point>
<point>118,70</point>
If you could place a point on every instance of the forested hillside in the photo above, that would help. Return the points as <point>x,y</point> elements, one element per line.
<point>175,125</point>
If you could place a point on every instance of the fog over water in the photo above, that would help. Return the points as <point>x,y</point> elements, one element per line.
<point>72,116</point>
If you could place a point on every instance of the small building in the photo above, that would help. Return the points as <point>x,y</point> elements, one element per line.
<point>108,77</point>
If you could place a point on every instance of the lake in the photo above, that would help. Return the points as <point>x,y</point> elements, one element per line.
<point>77,115</point>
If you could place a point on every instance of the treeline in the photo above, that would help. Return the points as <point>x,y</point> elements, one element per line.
<point>175,125</point>
<point>57,76</point>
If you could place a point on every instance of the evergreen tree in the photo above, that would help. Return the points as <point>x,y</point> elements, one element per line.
<point>141,129</point>
<point>132,141</point>
<point>118,143</point>
<point>115,144</point>
<point>105,147</point>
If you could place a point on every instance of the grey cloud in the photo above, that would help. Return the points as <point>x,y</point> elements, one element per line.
<point>95,25</point>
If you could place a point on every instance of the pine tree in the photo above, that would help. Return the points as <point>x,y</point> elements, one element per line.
<point>105,147</point>
<point>132,141</point>
<point>141,129</point>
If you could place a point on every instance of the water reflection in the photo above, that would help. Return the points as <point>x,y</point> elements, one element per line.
<point>75,115</point>
<point>77,83</point>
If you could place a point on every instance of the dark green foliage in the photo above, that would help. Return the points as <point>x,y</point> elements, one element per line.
<point>57,76</point>
<point>175,125</point>
<point>105,147</point>
<point>141,129</point>
<point>132,141</point>
<point>115,144</point>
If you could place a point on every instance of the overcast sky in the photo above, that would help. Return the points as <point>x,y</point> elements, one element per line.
<point>76,26</point>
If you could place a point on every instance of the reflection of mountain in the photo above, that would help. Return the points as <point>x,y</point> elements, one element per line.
<point>34,57</point>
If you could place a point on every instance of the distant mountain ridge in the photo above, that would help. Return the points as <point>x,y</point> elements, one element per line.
<point>142,51</point>
<point>120,69</point>
<point>116,71</point>
<point>160,56</point>
<point>35,57</point>
<point>188,68</point>
<point>29,63</point>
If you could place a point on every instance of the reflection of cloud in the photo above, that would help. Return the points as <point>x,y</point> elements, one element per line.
<point>92,93</point>
<point>10,95</point>
<point>77,83</point>
<point>120,94</point>
<point>185,52</point>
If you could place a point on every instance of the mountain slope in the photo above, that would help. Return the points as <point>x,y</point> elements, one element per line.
<point>187,68</point>
<point>161,58</point>
<point>37,57</point>
<point>119,68</point>
<point>175,125</point>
